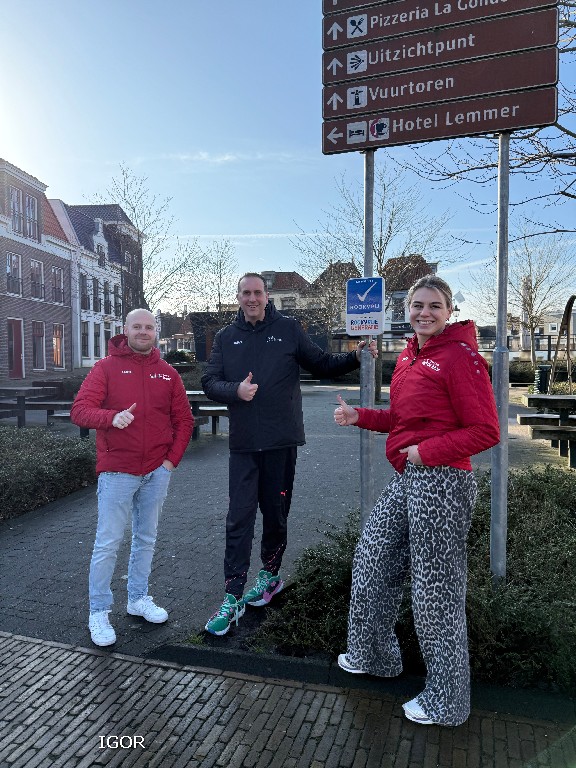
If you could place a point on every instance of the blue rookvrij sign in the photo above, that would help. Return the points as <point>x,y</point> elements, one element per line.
<point>365,306</point>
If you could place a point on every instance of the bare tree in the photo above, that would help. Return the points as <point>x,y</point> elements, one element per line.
<point>214,284</point>
<point>402,231</point>
<point>401,227</point>
<point>541,271</point>
<point>165,259</point>
<point>545,157</point>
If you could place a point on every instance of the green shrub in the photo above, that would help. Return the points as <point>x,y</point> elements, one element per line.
<point>521,372</point>
<point>522,634</point>
<point>192,378</point>
<point>71,385</point>
<point>37,466</point>
<point>179,356</point>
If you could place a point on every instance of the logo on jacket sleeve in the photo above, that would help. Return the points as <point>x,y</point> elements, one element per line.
<point>238,342</point>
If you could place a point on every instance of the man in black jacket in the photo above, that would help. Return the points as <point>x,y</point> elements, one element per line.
<point>254,368</point>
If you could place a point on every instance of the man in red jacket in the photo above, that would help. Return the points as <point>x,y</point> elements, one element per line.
<point>137,404</point>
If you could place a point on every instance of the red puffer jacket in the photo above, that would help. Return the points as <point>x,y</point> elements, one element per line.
<point>441,399</point>
<point>162,418</point>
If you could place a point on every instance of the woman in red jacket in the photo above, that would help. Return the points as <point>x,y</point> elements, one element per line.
<point>442,411</point>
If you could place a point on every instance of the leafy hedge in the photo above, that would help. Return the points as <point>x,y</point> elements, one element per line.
<point>522,634</point>
<point>37,466</point>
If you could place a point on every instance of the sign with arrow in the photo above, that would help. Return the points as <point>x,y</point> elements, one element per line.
<point>514,72</point>
<point>431,48</point>
<point>365,306</point>
<point>394,19</point>
<point>470,117</point>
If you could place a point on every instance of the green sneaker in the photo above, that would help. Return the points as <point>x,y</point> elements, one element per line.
<point>230,610</point>
<point>264,589</point>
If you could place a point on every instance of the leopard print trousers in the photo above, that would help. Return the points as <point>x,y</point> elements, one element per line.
<point>418,526</point>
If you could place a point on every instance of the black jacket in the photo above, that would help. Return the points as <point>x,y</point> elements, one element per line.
<point>273,349</point>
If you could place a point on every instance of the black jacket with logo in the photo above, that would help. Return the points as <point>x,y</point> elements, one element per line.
<point>273,350</point>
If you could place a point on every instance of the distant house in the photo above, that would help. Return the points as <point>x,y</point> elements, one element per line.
<point>175,333</point>
<point>36,334</point>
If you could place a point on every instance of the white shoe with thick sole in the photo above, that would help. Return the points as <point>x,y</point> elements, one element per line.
<point>101,631</point>
<point>148,609</point>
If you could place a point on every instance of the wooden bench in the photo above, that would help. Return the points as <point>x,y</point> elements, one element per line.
<point>198,421</point>
<point>563,438</point>
<point>540,419</point>
<point>214,412</point>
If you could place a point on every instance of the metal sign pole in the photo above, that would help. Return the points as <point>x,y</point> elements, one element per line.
<point>367,362</point>
<point>499,489</point>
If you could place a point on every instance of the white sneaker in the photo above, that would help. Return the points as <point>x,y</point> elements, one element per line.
<point>344,664</point>
<point>148,609</point>
<point>101,631</point>
<point>414,712</point>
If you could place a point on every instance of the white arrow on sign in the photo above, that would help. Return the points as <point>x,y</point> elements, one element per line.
<point>334,29</point>
<point>333,101</point>
<point>334,64</point>
<point>333,136</point>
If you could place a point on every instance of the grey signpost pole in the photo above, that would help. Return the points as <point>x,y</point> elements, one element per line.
<point>367,366</point>
<point>499,488</point>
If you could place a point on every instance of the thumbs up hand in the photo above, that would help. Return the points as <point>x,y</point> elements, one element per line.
<point>124,418</point>
<point>247,390</point>
<point>345,415</point>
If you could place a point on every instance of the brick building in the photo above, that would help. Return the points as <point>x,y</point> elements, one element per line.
<point>73,272</point>
<point>35,296</point>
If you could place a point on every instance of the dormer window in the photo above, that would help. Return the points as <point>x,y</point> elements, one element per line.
<point>101,253</point>
<point>16,211</point>
<point>31,217</point>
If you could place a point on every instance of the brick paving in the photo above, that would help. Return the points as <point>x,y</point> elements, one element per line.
<point>70,707</point>
<point>62,704</point>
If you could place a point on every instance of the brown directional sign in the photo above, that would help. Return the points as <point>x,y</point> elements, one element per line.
<point>391,19</point>
<point>506,34</point>
<point>515,72</point>
<point>334,6</point>
<point>470,117</point>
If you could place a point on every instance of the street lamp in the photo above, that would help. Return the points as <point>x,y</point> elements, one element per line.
<point>456,311</point>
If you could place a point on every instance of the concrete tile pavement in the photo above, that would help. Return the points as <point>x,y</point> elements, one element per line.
<point>57,697</point>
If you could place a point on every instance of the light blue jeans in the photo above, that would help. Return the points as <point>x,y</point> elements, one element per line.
<point>119,496</point>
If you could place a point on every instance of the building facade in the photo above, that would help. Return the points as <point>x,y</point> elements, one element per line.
<point>35,287</point>
<point>72,274</point>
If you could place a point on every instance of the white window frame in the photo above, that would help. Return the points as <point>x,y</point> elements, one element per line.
<point>43,348</point>
<point>42,285</point>
<point>9,272</point>
<point>63,366</point>
<point>32,217</point>
<point>16,211</point>
<point>54,271</point>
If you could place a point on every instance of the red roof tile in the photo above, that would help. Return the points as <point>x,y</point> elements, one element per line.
<point>51,224</point>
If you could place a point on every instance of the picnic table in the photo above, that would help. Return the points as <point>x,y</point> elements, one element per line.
<point>198,398</point>
<point>556,423</point>
<point>20,398</point>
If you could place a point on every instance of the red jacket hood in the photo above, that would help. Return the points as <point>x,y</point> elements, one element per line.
<point>118,346</point>
<point>463,332</point>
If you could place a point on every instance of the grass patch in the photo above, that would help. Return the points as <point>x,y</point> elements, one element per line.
<point>37,466</point>
<point>522,635</point>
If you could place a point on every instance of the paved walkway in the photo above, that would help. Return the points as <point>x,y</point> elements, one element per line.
<point>65,704</point>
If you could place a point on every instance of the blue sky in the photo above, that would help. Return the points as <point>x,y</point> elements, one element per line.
<point>218,103</point>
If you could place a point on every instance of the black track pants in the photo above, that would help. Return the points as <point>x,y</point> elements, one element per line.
<point>260,479</point>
